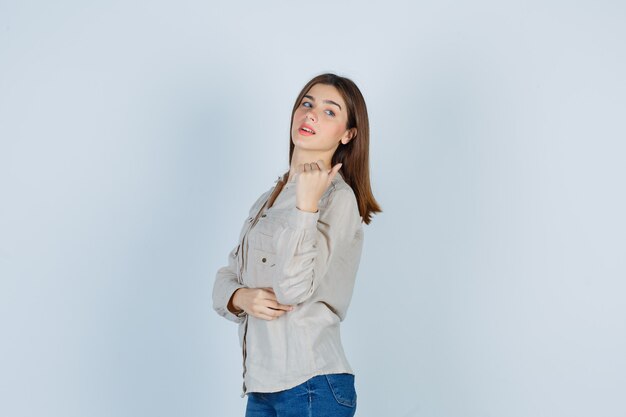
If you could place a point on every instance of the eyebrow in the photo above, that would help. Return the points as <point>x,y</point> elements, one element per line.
<point>325,101</point>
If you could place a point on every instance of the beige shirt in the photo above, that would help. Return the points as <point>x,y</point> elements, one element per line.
<point>311,261</point>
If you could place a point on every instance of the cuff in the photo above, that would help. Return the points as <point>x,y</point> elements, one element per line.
<point>222,306</point>
<point>300,219</point>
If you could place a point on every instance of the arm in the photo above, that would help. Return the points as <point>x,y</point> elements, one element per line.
<point>226,283</point>
<point>307,243</point>
<point>233,300</point>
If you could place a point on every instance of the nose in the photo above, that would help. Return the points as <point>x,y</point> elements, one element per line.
<point>310,115</point>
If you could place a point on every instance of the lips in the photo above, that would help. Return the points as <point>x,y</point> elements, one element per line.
<point>306,129</point>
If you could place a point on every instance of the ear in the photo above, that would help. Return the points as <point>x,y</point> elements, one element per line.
<point>351,133</point>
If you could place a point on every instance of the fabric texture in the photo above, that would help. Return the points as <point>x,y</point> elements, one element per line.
<point>320,396</point>
<point>311,261</point>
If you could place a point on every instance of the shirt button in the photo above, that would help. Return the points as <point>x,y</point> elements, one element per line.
<point>264,215</point>
<point>264,260</point>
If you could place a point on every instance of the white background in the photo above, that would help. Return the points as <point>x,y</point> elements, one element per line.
<point>134,136</point>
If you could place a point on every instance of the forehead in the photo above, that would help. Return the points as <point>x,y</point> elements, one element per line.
<point>326,92</point>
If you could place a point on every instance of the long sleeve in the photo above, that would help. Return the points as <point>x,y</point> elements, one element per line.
<point>226,280</point>
<point>226,283</point>
<point>308,243</point>
<point>311,261</point>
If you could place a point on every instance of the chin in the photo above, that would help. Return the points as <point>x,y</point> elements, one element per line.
<point>300,140</point>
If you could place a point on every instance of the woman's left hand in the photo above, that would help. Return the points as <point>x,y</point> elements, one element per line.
<point>311,182</point>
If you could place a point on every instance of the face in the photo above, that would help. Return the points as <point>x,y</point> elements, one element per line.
<point>324,113</point>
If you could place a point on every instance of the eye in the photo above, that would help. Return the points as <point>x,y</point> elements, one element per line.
<point>330,113</point>
<point>305,103</point>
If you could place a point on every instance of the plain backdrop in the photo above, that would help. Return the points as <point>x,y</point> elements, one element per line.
<point>135,135</point>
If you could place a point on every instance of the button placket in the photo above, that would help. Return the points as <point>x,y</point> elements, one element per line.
<point>244,242</point>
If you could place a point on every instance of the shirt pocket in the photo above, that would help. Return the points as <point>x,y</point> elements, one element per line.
<point>261,267</point>
<point>263,233</point>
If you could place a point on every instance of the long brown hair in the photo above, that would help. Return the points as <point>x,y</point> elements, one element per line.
<point>354,155</point>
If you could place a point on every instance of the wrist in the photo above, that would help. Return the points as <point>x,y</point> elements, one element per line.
<point>233,303</point>
<point>310,209</point>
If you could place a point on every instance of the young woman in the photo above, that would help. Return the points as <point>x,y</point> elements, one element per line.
<point>289,280</point>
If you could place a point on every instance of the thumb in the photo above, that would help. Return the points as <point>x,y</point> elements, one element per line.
<point>333,172</point>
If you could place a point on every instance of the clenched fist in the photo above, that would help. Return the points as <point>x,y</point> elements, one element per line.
<point>312,179</point>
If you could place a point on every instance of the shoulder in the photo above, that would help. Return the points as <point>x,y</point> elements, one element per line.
<point>339,190</point>
<point>339,200</point>
<point>341,194</point>
<point>256,206</point>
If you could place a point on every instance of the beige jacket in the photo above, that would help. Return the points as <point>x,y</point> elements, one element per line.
<point>311,261</point>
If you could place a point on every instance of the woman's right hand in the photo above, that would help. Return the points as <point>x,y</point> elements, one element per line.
<point>259,302</point>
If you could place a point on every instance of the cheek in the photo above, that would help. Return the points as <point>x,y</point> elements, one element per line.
<point>334,129</point>
<point>297,115</point>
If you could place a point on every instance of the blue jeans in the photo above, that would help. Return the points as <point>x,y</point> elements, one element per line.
<point>323,395</point>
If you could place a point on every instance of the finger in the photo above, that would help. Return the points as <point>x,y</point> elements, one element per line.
<point>269,314</point>
<point>275,313</point>
<point>270,292</point>
<point>264,316</point>
<point>278,306</point>
<point>334,171</point>
<point>269,295</point>
<point>265,312</point>
<point>307,167</point>
<point>272,302</point>
<point>321,165</point>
